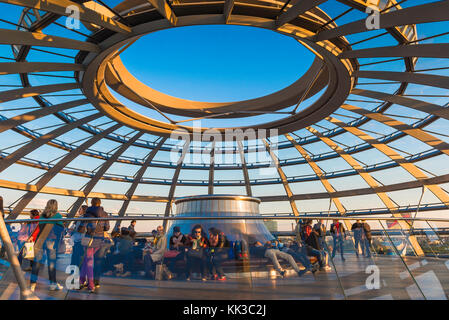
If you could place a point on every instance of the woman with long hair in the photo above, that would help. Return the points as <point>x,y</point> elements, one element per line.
<point>48,239</point>
<point>28,233</point>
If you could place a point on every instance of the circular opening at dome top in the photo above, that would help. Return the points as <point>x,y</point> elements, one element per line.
<point>217,63</point>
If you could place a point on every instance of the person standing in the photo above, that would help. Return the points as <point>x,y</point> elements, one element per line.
<point>48,239</point>
<point>338,234</point>
<point>28,234</point>
<point>95,236</point>
<point>320,229</point>
<point>357,229</point>
<point>77,235</point>
<point>366,236</point>
<point>132,226</point>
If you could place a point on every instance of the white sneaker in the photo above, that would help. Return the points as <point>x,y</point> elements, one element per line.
<point>32,287</point>
<point>56,286</point>
<point>327,268</point>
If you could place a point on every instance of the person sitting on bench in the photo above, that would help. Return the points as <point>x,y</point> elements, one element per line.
<point>196,246</point>
<point>312,242</point>
<point>218,252</point>
<point>155,254</point>
<point>267,251</point>
<point>298,251</point>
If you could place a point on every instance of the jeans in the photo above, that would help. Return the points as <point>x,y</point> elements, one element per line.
<point>316,253</point>
<point>274,254</point>
<point>128,261</point>
<point>87,269</point>
<point>215,263</point>
<point>367,243</point>
<point>323,244</point>
<point>201,262</point>
<point>20,245</point>
<point>77,254</point>
<point>149,264</point>
<point>338,241</point>
<point>171,262</point>
<point>50,248</point>
<point>358,242</point>
<point>300,256</point>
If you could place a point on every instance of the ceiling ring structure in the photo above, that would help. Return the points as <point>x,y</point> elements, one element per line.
<point>101,66</point>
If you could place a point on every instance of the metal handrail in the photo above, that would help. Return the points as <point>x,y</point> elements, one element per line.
<point>174,218</point>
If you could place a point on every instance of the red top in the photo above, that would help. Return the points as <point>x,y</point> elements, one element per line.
<point>308,230</point>
<point>36,230</point>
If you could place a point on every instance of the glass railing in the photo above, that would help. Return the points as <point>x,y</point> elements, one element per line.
<point>395,259</point>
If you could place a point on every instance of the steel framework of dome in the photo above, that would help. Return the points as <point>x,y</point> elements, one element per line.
<point>368,104</point>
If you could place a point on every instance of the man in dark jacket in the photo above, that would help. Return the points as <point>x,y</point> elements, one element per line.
<point>357,229</point>
<point>320,229</point>
<point>312,242</point>
<point>366,236</point>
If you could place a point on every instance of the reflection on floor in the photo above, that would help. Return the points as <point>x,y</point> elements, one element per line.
<point>381,277</point>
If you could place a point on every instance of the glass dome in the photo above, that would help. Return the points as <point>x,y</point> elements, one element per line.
<point>364,130</point>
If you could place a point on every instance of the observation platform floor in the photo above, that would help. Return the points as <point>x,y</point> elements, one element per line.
<point>430,278</point>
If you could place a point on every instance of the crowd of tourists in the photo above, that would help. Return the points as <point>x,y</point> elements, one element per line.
<point>97,253</point>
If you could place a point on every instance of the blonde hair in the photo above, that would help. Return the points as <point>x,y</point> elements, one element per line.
<point>50,209</point>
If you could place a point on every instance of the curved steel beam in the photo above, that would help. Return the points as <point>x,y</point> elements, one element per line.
<point>16,37</point>
<point>164,9</point>
<point>357,167</point>
<point>431,50</point>
<point>300,7</point>
<point>283,177</point>
<point>138,177</point>
<point>171,193</point>
<point>50,174</point>
<point>419,105</point>
<point>26,67</point>
<point>210,187</point>
<point>26,92</point>
<point>244,168</point>
<point>418,78</point>
<point>227,9</point>
<point>36,143</point>
<point>105,166</point>
<point>85,14</point>
<point>393,155</point>
<point>144,198</point>
<point>431,12</point>
<point>398,125</point>
<point>36,114</point>
<point>319,173</point>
